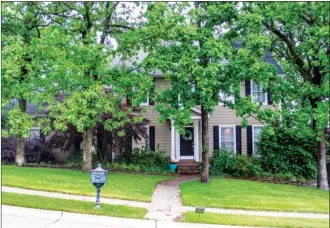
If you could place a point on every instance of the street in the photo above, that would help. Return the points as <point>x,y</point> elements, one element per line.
<point>18,217</point>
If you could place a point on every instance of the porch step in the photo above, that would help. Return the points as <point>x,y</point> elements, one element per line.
<point>188,167</point>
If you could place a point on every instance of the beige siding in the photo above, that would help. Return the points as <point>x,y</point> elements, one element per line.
<point>162,130</point>
<point>161,84</point>
<point>221,116</point>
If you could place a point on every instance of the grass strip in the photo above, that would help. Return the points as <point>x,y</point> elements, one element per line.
<point>136,187</point>
<point>258,221</point>
<point>75,206</point>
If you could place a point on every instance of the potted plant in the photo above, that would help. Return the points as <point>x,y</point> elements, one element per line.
<point>172,166</point>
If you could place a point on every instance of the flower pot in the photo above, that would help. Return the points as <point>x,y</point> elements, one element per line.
<point>173,167</point>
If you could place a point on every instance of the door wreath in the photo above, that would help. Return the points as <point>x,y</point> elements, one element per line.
<point>187,135</point>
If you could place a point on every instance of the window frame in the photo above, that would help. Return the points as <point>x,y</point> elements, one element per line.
<point>147,141</point>
<point>230,98</point>
<point>34,129</point>
<point>265,93</point>
<point>234,133</point>
<point>147,101</point>
<point>253,140</point>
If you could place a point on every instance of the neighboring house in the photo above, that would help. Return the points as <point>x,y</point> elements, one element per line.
<point>225,129</point>
<point>59,151</point>
<point>32,110</point>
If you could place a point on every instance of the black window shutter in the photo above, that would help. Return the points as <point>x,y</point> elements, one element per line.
<point>152,137</point>
<point>215,137</point>
<point>151,94</point>
<point>129,145</point>
<point>269,98</point>
<point>249,140</point>
<point>239,139</point>
<point>247,87</point>
<point>128,101</point>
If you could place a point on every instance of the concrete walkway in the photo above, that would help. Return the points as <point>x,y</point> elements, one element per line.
<point>166,203</point>
<point>18,217</point>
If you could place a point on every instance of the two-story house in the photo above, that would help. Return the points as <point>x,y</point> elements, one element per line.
<point>225,129</point>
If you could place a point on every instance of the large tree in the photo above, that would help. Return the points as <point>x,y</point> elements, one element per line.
<point>299,36</point>
<point>89,84</point>
<point>22,23</point>
<point>190,43</point>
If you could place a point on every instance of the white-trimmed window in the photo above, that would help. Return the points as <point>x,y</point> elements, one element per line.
<point>225,97</point>
<point>257,93</point>
<point>146,102</point>
<point>35,132</point>
<point>227,137</point>
<point>143,143</point>
<point>255,137</point>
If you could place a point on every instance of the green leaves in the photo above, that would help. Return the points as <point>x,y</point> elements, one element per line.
<point>19,122</point>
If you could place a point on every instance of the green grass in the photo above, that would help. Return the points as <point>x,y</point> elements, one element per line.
<point>252,195</point>
<point>136,187</point>
<point>247,220</point>
<point>76,206</point>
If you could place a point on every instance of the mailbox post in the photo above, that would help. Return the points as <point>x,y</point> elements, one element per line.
<point>98,179</point>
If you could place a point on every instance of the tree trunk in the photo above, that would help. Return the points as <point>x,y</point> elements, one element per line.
<point>322,176</point>
<point>205,146</point>
<point>20,145</point>
<point>87,150</point>
<point>20,155</point>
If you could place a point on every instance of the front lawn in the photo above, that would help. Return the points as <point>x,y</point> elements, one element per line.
<point>252,195</point>
<point>248,220</point>
<point>76,206</point>
<point>137,187</point>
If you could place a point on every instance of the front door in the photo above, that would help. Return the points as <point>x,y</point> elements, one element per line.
<point>187,142</point>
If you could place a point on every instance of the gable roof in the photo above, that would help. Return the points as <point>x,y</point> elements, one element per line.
<point>118,62</point>
<point>268,58</point>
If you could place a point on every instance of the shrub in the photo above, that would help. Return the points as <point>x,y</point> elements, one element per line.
<point>75,160</point>
<point>284,151</point>
<point>285,176</point>
<point>34,150</point>
<point>147,159</point>
<point>225,163</point>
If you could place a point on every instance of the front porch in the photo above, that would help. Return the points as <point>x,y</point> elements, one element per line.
<point>185,149</point>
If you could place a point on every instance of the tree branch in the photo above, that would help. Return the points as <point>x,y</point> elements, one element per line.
<point>297,59</point>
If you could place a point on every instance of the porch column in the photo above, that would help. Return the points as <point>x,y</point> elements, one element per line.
<point>172,140</point>
<point>196,140</point>
<point>177,145</point>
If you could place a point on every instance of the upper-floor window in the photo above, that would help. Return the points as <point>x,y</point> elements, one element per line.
<point>256,137</point>
<point>146,101</point>
<point>257,93</point>
<point>227,137</point>
<point>225,97</point>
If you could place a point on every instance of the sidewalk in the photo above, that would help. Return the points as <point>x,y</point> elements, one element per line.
<point>17,217</point>
<point>161,211</point>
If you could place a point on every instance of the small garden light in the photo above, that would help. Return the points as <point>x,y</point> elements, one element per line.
<point>98,179</point>
<point>199,211</point>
